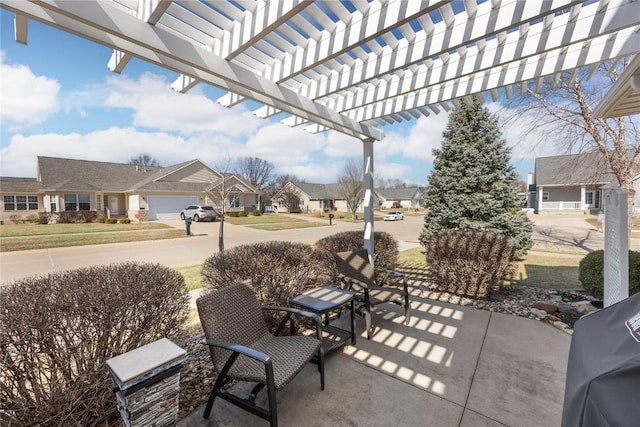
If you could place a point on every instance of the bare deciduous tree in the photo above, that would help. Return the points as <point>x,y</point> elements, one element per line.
<point>257,171</point>
<point>219,193</point>
<point>291,198</point>
<point>144,159</point>
<point>350,185</point>
<point>564,108</point>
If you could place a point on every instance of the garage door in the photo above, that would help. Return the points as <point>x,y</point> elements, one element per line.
<point>168,207</point>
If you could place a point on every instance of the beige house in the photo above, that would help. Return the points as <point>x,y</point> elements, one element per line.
<point>309,197</point>
<point>123,190</point>
<point>406,198</point>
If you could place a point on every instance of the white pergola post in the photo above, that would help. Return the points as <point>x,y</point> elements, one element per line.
<point>367,151</point>
<point>540,197</point>
<point>583,197</point>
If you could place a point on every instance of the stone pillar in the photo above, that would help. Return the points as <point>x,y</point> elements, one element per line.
<point>148,380</point>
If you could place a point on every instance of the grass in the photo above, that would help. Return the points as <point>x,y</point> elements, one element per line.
<point>274,222</point>
<point>635,226</point>
<point>30,236</point>
<point>538,270</point>
<point>192,276</point>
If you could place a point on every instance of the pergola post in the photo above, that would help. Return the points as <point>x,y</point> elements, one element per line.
<point>367,158</point>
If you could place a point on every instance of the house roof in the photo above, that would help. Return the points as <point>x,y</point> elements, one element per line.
<point>87,175</point>
<point>406,193</point>
<point>59,174</point>
<point>320,191</point>
<point>19,185</point>
<point>573,169</point>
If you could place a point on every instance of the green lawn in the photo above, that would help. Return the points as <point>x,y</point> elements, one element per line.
<point>192,276</point>
<point>31,236</point>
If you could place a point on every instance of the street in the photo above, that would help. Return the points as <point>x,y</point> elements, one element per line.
<point>566,233</point>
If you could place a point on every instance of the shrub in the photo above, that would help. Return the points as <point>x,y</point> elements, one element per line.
<point>125,221</point>
<point>44,217</point>
<point>470,262</point>
<point>69,217</point>
<point>256,212</point>
<point>15,219</point>
<point>277,270</point>
<point>233,214</point>
<point>111,220</point>
<point>57,332</point>
<point>384,246</point>
<point>35,219</point>
<point>591,273</point>
<point>242,214</point>
<point>102,220</point>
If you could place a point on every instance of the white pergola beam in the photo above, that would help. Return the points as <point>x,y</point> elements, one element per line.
<point>107,25</point>
<point>20,28</point>
<point>476,64</point>
<point>625,43</point>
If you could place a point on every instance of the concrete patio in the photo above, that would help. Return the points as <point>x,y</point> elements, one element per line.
<point>451,366</point>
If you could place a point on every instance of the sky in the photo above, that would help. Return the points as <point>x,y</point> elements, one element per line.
<point>59,99</point>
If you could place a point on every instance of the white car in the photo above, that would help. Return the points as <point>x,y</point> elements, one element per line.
<point>394,216</point>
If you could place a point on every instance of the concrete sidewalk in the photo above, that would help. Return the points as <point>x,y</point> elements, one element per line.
<point>451,366</point>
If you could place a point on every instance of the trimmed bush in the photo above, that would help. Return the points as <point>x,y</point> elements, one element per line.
<point>256,212</point>
<point>470,262</point>
<point>242,214</point>
<point>69,217</point>
<point>111,220</point>
<point>591,273</point>
<point>233,214</point>
<point>384,246</point>
<point>44,217</point>
<point>57,332</point>
<point>102,220</point>
<point>277,270</point>
<point>125,221</point>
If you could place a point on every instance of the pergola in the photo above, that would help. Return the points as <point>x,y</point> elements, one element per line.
<point>351,66</point>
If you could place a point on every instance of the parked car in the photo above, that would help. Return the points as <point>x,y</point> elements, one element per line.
<point>394,216</point>
<point>198,213</point>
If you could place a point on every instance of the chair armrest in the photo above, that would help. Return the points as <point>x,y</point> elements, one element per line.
<point>238,348</point>
<point>400,275</point>
<point>353,281</point>
<point>290,311</point>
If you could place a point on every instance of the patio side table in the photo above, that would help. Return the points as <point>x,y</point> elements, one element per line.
<point>322,301</point>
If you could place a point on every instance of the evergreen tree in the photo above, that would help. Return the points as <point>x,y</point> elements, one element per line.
<point>472,182</point>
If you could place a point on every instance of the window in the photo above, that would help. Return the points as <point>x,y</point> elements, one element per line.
<point>234,201</point>
<point>53,206</point>
<point>589,197</point>
<point>77,202</point>
<point>20,203</point>
<point>545,196</point>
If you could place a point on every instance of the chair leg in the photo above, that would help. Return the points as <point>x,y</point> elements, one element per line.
<point>367,322</point>
<point>273,407</point>
<point>407,307</point>
<point>214,392</point>
<point>321,365</point>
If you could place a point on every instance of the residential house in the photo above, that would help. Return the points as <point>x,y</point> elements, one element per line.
<point>117,189</point>
<point>573,182</point>
<point>310,197</point>
<point>407,198</point>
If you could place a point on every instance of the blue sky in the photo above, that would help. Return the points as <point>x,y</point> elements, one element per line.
<point>58,98</point>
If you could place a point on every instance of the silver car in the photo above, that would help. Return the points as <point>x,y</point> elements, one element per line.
<point>198,213</point>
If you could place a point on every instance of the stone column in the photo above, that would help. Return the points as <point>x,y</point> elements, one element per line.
<point>148,380</point>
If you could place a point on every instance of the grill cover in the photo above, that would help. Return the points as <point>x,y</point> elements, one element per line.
<point>603,373</point>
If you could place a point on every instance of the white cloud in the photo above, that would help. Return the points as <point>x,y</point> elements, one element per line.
<point>283,146</point>
<point>419,140</point>
<point>118,145</point>
<point>157,106</point>
<point>27,99</point>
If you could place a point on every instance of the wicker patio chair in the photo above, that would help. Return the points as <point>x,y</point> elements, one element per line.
<point>242,349</point>
<point>356,273</point>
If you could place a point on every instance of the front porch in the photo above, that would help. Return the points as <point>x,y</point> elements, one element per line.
<point>451,366</point>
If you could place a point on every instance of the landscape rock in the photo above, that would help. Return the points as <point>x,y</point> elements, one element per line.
<point>549,308</point>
